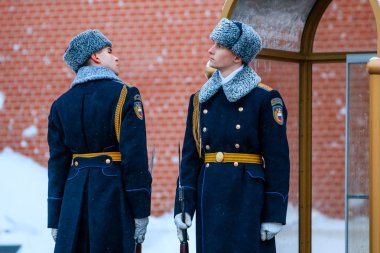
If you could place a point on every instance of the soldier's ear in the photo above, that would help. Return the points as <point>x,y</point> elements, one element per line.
<point>237,59</point>
<point>95,58</point>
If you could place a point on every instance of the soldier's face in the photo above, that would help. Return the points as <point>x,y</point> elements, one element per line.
<point>108,60</point>
<point>221,58</point>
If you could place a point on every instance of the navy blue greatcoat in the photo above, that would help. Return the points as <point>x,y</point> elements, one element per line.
<point>94,204</point>
<point>231,200</point>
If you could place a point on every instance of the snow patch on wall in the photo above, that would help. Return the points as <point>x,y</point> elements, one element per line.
<point>10,124</point>
<point>4,58</point>
<point>16,47</point>
<point>2,100</point>
<point>174,159</point>
<point>24,144</point>
<point>30,132</point>
<point>46,60</point>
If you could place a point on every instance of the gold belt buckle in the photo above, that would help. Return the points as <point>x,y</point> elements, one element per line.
<point>219,157</point>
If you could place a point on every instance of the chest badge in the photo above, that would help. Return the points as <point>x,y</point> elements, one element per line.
<point>278,114</point>
<point>138,110</point>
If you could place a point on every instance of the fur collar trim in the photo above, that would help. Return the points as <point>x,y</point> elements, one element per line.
<point>92,73</point>
<point>239,86</point>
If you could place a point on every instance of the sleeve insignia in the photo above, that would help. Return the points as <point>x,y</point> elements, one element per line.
<point>276,101</point>
<point>277,114</point>
<point>138,110</point>
<point>137,97</point>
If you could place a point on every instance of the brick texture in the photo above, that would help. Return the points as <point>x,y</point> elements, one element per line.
<point>162,47</point>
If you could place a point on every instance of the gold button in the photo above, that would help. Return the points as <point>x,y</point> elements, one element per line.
<point>236,164</point>
<point>205,111</point>
<point>219,157</point>
<point>108,161</point>
<point>207,165</point>
<point>237,145</point>
<point>207,147</point>
<point>76,163</point>
<point>237,126</point>
<point>241,109</point>
<point>204,129</point>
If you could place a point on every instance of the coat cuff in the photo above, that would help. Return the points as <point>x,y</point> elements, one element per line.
<point>54,210</point>
<point>275,207</point>
<point>139,200</point>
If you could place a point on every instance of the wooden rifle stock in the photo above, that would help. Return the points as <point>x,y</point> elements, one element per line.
<point>138,248</point>
<point>184,247</point>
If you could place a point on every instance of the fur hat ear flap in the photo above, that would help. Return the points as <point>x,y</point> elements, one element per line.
<point>82,46</point>
<point>240,38</point>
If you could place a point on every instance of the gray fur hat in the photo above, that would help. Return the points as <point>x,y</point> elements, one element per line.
<point>240,38</point>
<point>82,46</point>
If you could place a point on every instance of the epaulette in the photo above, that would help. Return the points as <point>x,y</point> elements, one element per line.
<point>264,87</point>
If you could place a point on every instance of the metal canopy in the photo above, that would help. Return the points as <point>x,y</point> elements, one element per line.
<point>280,23</point>
<point>287,27</point>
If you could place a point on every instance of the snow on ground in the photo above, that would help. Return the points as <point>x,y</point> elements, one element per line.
<point>23,206</point>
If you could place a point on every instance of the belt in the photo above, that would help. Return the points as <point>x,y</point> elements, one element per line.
<point>221,157</point>
<point>116,156</point>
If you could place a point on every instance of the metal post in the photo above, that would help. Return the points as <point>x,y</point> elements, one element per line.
<point>374,148</point>
<point>374,138</point>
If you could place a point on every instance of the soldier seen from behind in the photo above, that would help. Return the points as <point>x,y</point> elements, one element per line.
<point>235,164</point>
<point>99,184</point>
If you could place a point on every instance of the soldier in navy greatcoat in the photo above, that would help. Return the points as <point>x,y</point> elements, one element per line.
<point>235,158</point>
<point>99,183</point>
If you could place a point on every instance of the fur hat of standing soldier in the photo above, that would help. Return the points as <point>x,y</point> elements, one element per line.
<point>82,46</point>
<point>238,37</point>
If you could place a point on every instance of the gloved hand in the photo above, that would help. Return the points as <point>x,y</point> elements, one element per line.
<point>269,230</point>
<point>182,225</point>
<point>140,229</point>
<point>54,233</point>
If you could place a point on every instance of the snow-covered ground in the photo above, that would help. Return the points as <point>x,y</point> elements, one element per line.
<point>23,206</point>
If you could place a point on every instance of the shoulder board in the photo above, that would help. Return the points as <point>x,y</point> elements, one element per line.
<point>196,131</point>
<point>264,87</point>
<point>129,84</point>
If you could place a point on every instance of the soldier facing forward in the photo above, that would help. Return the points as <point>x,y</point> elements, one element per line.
<point>235,166</point>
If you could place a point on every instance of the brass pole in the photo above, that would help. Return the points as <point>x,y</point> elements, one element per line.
<point>374,149</point>
<point>228,7</point>
<point>374,138</point>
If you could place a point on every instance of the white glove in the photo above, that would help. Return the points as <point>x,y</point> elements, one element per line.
<point>182,225</point>
<point>140,229</point>
<point>54,233</point>
<point>269,230</point>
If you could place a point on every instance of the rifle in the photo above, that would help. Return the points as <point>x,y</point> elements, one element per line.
<point>138,247</point>
<point>184,246</point>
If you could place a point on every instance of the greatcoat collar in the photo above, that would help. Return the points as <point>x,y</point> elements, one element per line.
<point>239,86</point>
<point>92,73</point>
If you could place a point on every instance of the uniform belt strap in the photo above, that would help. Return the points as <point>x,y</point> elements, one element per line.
<point>221,157</point>
<point>116,156</point>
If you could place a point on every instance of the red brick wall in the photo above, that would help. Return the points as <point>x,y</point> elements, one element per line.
<point>162,46</point>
